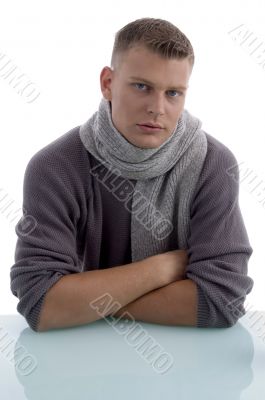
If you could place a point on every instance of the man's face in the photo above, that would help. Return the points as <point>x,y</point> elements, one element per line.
<point>132,99</point>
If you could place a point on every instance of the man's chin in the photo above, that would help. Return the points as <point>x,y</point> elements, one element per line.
<point>146,144</point>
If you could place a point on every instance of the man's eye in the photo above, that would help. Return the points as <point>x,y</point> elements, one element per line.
<point>172,91</point>
<point>175,91</point>
<point>140,84</point>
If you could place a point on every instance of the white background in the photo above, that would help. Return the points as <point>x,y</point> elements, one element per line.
<point>62,47</point>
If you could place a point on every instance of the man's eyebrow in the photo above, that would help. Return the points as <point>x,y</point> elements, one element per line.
<point>151,83</point>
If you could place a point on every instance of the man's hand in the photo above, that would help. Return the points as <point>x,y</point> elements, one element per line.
<point>171,266</point>
<point>175,303</point>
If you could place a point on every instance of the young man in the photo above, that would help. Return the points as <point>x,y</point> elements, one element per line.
<point>136,204</point>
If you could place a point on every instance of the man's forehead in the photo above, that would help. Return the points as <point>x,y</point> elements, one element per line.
<point>170,73</point>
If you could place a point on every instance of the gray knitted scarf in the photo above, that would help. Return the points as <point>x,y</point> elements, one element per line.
<point>165,178</point>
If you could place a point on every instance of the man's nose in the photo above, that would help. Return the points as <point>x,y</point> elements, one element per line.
<point>157,104</point>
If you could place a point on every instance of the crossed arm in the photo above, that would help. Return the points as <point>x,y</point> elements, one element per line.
<point>148,293</point>
<point>174,304</point>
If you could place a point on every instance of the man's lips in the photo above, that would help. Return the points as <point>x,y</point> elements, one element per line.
<point>147,128</point>
<point>151,124</point>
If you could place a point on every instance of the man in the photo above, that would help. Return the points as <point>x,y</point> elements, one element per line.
<point>136,204</point>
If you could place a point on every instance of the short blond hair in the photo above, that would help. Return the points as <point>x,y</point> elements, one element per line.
<point>157,35</point>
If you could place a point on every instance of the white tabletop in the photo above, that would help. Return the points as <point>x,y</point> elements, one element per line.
<point>103,360</point>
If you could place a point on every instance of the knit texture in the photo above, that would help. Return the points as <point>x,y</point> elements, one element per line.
<point>82,225</point>
<point>165,176</point>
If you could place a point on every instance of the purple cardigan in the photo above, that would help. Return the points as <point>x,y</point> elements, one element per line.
<point>72,223</point>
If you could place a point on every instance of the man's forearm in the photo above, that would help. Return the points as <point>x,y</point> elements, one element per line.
<point>174,304</point>
<point>68,302</point>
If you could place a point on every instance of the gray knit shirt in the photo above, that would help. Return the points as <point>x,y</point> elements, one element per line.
<point>72,223</point>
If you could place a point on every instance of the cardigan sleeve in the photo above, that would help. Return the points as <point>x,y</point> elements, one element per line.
<point>218,244</point>
<point>46,244</point>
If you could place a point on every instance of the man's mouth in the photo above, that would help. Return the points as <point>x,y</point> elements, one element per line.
<point>148,128</point>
